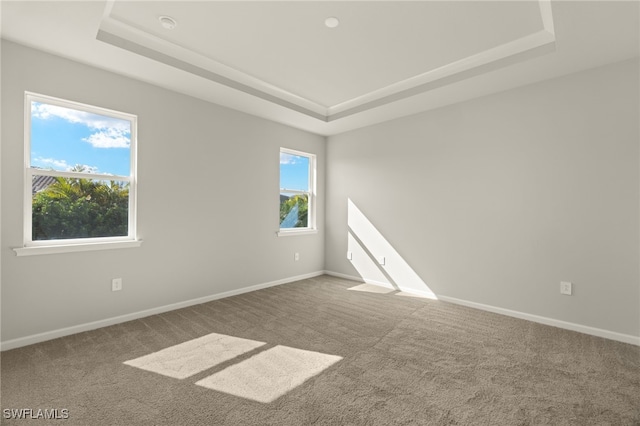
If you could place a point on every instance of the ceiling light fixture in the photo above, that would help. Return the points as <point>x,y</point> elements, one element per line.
<point>167,22</point>
<point>331,22</point>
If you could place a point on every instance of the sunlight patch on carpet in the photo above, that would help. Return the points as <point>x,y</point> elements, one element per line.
<point>270,374</point>
<point>372,288</point>
<point>189,358</point>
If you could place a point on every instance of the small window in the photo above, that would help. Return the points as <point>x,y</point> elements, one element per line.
<point>80,174</point>
<point>297,191</point>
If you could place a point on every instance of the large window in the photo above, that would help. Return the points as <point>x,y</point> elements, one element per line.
<point>297,192</point>
<point>80,177</point>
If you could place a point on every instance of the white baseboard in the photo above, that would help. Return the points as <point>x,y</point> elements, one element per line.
<point>612,335</point>
<point>54,334</point>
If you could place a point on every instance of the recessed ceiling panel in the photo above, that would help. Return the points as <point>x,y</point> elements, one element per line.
<point>377,44</point>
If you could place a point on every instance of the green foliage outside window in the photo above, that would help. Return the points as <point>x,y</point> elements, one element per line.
<point>298,206</point>
<point>80,208</point>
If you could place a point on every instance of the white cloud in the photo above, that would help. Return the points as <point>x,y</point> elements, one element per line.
<point>51,163</point>
<point>287,158</point>
<point>110,132</point>
<point>93,121</point>
<point>109,138</point>
<point>87,169</point>
<point>47,163</point>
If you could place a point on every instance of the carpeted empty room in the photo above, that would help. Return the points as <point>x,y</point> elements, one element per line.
<point>372,359</point>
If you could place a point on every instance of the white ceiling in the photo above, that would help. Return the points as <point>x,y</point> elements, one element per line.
<point>378,44</point>
<point>279,61</point>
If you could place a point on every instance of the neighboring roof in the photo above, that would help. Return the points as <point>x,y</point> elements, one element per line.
<point>41,182</point>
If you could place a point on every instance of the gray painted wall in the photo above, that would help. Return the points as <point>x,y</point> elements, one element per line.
<point>497,200</point>
<point>207,205</point>
<point>493,201</point>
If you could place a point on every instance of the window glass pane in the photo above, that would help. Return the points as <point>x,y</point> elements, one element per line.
<point>294,172</point>
<point>66,139</point>
<point>65,208</point>
<point>294,211</point>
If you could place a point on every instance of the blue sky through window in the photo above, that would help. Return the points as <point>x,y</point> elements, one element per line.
<point>294,171</point>
<point>63,137</point>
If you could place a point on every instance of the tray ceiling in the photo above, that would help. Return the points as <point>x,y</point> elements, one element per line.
<point>284,53</point>
<point>279,61</point>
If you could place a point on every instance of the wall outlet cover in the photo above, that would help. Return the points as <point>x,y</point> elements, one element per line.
<point>566,288</point>
<point>116,284</point>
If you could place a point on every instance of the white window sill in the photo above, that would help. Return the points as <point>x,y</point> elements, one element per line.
<point>296,231</point>
<point>69,248</point>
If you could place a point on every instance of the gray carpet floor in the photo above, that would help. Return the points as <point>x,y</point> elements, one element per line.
<point>356,358</point>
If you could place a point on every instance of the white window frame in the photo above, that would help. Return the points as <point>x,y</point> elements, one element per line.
<point>32,247</point>
<point>311,194</point>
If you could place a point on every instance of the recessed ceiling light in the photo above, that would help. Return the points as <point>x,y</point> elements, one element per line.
<point>331,22</point>
<point>167,22</point>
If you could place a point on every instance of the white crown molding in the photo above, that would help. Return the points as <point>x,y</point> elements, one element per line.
<point>520,49</point>
<point>137,41</point>
<point>479,62</point>
<point>127,37</point>
<point>547,16</point>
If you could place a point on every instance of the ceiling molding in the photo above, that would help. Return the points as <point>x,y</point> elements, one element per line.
<point>119,34</point>
<point>523,48</point>
<point>507,54</point>
<point>202,72</point>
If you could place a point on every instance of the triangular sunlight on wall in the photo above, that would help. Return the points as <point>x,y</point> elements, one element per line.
<point>377,261</point>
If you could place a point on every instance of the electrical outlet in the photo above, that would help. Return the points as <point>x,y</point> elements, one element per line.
<point>296,257</point>
<point>565,288</point>
<point>116,284</point>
